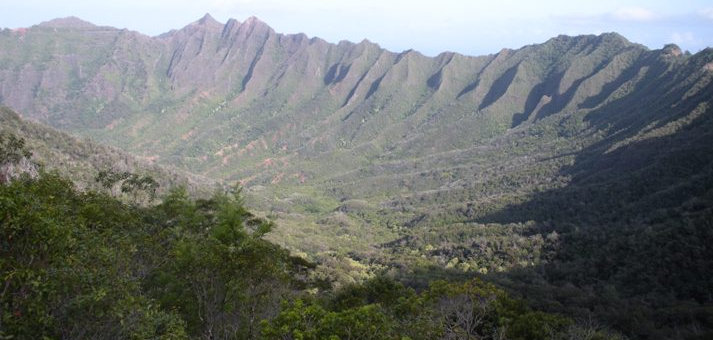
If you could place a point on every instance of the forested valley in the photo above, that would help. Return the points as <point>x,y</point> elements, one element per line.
<point>86,265</point>
<point>225,181</point>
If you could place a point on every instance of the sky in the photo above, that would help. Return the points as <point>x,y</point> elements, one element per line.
<point>471,27</point>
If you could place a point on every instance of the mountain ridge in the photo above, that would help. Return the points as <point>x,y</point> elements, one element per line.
<point>248,104</point>
<point>228,88</point>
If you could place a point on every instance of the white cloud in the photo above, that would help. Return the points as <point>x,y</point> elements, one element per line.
<point>634,14</point>
<point>707,13</point>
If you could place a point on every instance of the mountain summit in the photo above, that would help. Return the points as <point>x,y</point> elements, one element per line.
<point>208,21</point>
<point>68,22</point>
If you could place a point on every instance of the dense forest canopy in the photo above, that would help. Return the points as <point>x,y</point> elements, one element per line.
<point>85,265</point>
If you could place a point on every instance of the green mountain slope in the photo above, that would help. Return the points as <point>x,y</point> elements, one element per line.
<point>573,171</point>
<point>81,161</point>
<point>238,95</point>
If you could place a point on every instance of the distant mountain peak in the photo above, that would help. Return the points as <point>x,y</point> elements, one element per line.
<point>207,19</point>
<point>613,35</point>
<point>205,23</point>
<point>616,38</point>
<point>254,21</point>
<point>68,22</point>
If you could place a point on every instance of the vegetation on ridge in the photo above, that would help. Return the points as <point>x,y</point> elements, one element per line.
<point>82,161</point>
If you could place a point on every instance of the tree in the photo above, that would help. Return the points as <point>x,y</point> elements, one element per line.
<point>141,188</point>
<point>68,266</point>
<point>12,153</point>
<point>221,274</point>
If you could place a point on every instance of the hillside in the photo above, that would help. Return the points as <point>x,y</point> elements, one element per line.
<point>239,95</point>
<point>81,161</point>
<point>79,265</point>
<point>576,172</point>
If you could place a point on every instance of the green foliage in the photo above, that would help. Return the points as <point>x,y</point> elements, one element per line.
<point>67,264</point>
<point>377,290</point>
<point>78,265</point>
<point>129,183</point>
<point>12,152</point>
<point>12,149</point>
<point>469,310</point>
<point>299,320</point>
<point>220,274</point>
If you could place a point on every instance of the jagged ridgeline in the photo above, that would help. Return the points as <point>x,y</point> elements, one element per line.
<point>577,171</point>
<point>241,102</point>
